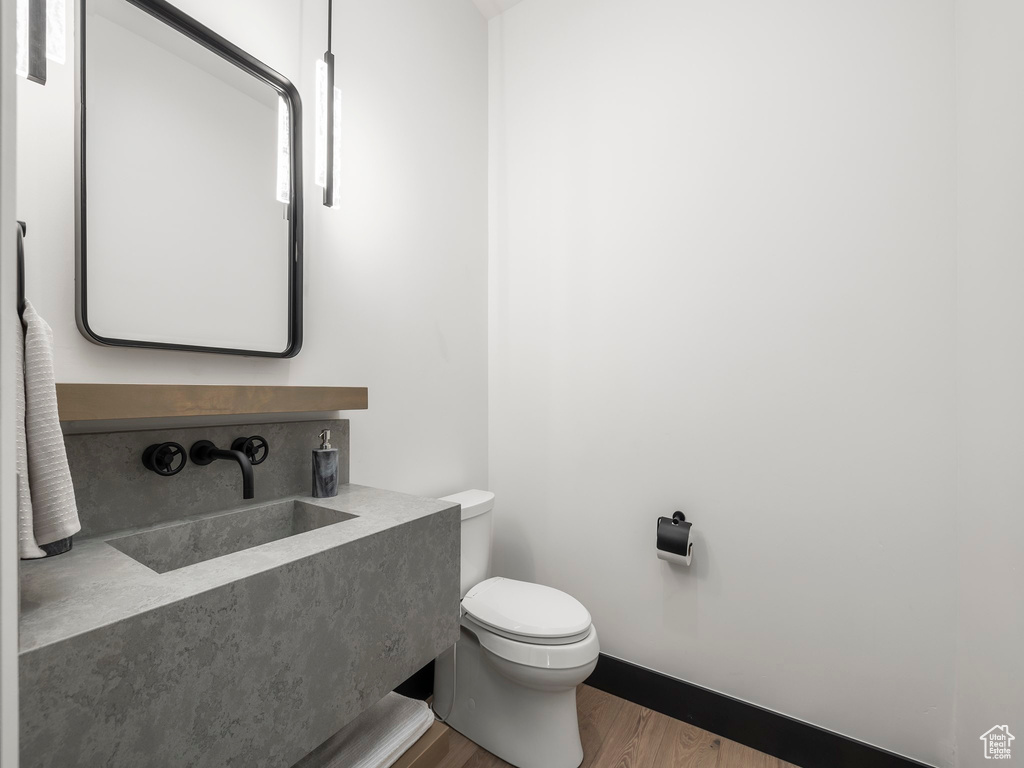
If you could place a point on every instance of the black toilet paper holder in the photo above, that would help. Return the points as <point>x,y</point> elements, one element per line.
<point>674,536</point>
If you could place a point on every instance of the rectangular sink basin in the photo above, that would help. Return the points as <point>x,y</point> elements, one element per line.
<point>170,547</point>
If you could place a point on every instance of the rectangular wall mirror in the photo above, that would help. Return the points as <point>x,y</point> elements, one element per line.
<point>190,187</point>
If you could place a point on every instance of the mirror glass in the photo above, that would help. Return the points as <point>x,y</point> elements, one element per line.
<point>190,220</point>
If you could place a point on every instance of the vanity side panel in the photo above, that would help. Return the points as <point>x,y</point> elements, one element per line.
<point>256,673</point>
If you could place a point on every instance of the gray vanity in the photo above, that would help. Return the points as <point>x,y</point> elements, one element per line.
<point>217,633</point>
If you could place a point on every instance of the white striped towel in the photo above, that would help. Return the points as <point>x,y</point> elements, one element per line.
<point>375,739</point>
<point>47,511</point>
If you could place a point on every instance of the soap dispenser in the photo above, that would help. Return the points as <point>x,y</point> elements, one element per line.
<point>325,468</point>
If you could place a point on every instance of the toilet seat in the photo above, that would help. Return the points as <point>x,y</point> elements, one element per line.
<point>529,639</point>
<point>566,656</point>
<point>527,613</point>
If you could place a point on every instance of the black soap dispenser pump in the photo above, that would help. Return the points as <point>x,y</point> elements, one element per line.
<point>325,468</point>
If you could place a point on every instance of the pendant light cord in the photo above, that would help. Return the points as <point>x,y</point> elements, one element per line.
<point>330,23</point>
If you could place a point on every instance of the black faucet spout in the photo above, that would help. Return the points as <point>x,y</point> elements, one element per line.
<point>204,452</point>
<point>248,485</point>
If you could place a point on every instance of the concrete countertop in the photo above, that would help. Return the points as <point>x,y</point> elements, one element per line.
<point>95,585</point>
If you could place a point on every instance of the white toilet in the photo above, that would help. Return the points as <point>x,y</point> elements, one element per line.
<point>509,684</point>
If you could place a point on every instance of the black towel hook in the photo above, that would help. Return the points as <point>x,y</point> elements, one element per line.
<point>22,231</point>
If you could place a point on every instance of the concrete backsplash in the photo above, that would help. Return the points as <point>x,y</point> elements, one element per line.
<point>115,491</point>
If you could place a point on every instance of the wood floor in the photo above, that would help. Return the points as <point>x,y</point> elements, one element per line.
<point>619,734</point>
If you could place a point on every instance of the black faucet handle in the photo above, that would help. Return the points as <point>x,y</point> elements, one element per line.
<point>165,459</point>
<point>255,447</point>
<point>201,452</point>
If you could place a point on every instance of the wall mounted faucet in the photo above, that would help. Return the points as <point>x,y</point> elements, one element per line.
<point>204,452</point>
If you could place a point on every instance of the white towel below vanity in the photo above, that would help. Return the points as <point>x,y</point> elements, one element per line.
<point>375,739</point>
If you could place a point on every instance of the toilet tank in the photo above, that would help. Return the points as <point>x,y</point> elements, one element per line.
<point>476,536</point>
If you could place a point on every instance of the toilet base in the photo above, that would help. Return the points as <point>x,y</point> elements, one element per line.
<point>524,715</point>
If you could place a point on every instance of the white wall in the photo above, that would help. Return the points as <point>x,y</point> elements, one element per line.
<point>990,77</point>
<point>395,295</point>
<point>723,281</point>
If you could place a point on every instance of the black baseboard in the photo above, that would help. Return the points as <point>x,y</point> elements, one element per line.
<point>783,737</point>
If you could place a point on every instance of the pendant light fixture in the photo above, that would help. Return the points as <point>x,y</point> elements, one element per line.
<point>40,28</point>
<point>56,40</point>
<point>328,121</point>
<point>284,152</point>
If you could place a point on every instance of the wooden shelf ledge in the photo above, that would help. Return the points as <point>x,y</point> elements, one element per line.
<point>98,402</point>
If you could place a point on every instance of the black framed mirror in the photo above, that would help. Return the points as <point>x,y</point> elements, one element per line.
<point>189,213</point>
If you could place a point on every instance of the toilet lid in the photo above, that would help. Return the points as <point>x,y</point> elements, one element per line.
<point>526,610</point>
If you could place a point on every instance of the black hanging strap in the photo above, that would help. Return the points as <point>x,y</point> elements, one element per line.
<point>22,231</point>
